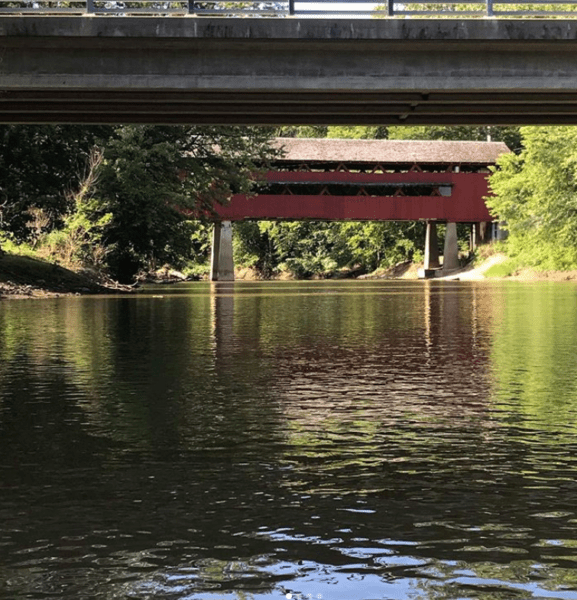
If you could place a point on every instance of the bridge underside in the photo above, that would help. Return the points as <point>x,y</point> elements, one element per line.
<point>288,107</point>
<point>287,71</point>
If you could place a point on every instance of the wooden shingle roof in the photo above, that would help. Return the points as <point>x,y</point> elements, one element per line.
<point>390,151</point>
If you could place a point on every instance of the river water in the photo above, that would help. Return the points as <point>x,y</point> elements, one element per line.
<point>328,440</point>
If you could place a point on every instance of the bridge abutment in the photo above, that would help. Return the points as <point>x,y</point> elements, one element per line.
<point>221,261</point>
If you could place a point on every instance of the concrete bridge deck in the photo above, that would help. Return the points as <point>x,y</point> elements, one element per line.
<point>281,71</point>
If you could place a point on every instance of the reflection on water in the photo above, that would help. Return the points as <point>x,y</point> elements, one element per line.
<point>347,440</point>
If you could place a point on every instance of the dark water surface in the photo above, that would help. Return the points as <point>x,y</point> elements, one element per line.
<point>343,440</point>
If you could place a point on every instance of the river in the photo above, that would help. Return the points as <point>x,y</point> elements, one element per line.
<point>263,440</point>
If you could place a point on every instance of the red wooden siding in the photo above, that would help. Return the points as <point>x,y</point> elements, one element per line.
<point>465,204</point>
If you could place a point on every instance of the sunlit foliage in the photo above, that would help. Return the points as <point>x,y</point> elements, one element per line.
<point>536,194</point>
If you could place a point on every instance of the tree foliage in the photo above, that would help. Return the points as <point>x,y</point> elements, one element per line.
<point>154,180</point>
<point>302,131</point>
<point>307,248</point>
<point>151,182</point>
<point>358,132</point>
<point>509,135</point>
<point>536,194</point>
<point>40,166</point>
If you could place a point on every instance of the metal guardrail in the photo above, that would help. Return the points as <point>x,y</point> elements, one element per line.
<point>222,8</point>
<point>288,8</point>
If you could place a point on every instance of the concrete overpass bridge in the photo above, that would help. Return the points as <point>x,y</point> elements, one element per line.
<point>183,69</point>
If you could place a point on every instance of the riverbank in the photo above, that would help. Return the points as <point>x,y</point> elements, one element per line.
<point>490,267</point>
<point>500,266</point>
<point>24,277</point>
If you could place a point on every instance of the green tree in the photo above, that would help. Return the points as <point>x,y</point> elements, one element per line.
<point>509,135</point>
<point>154,180</point>
<point>306,247</point>
<point>302,131</point>
<point>80,238</point>
<point>40,165</point>
<point>536,194</point>
<point>254,248</point>
<point>448,10</point>
<point>374,244</point>
<point>361,132</point>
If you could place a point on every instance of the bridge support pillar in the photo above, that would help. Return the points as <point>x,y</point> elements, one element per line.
<point>473,237</point>
<point>485,232</point>
<point>451,253</point>
<point>431,247</point>
<point>221,261</point>
<point>499,232</point>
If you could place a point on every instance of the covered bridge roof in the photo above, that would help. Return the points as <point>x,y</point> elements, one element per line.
<point>389,151</point>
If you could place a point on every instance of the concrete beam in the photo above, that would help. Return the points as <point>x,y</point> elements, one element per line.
<point>260,71</point>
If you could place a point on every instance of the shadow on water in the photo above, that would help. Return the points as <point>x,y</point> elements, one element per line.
<point>383,439</point>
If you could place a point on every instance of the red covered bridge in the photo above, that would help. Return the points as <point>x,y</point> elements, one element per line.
<point>369,180</point>
<point>373,180</point>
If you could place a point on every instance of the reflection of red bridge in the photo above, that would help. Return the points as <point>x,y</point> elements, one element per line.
<point>370,180</point>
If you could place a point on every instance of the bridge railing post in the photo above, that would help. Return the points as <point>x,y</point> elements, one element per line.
<point>490,12</point>
<point>390,8</point>
<point>90,8</point>
<point>291,5</point>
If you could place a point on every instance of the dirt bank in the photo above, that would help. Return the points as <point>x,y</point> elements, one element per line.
<point>25,277</point>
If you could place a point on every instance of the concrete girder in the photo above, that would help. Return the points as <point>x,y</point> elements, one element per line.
<point>277,71</point>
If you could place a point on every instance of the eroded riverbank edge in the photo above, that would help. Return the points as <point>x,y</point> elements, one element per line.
<point>23,277</point>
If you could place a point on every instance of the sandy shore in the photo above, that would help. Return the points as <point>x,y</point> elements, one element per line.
<point>477,273</point>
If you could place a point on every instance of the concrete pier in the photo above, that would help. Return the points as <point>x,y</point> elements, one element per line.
<point>221,261</point>
<point>499,231</point>
<point>482,233</point>
<point>431,247</point>
<point>451,253</point>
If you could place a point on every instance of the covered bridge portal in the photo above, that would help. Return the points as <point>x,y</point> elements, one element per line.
<point>369,180</point>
